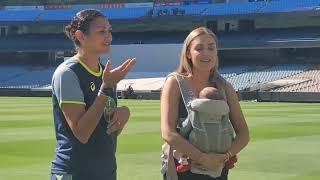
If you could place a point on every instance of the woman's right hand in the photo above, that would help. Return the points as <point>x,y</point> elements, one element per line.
<point>211,161</point>
<point>112,76</point>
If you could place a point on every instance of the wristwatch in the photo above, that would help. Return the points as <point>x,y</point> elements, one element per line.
<point>108,91</point>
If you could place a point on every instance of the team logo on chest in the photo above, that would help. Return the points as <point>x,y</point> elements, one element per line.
<point>92,86</point>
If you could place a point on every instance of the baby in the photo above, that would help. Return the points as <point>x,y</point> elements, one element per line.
<point>210,93</point>
<point>208,118</point>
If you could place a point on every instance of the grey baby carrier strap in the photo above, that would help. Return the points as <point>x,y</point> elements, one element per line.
<point>220,83</point>
<point>186,93</point>
<point>168,168</point>
<point>186,124</point>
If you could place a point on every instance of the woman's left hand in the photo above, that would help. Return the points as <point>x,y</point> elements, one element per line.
<point>119,120</point>
<point>113,76</point>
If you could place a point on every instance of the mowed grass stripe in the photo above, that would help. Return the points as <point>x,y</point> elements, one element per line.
<point>25,105</point>
<point>141,127</point>
<point>284,130</point>
<point>236,174</point>
<point>139,166</point>
<point>26,110</point>
<point>39,171</point>
<point>45,130</point>
<point>313,175</point>
<point>253,121</point>
<point>19,100</point>
<point>271,105</point>
<point>25,123</point>
<point>142,118</point>
<point>17,154</point>
<point>143,110</point>
<point>279,109</point>
<point>286,157</point>
<point>281,147</point>
<point>26,117</point>
<point>139,143</point>
<point>14,135</point>
<point>280,113</point>
<point>137,103</point>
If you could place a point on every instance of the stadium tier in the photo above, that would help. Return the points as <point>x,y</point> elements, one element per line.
<point>241,77</point>
<point>293,38</point>
<point>25,76</point>
<point>264,45</point>
<point>307,81</point>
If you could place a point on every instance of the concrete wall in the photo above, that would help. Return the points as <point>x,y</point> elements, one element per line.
<point>280,96</point>
<point>243,95</point>
<point>289,96</point>
<point>10,92</point>
<point>150,57</point>
<point>24,92</point>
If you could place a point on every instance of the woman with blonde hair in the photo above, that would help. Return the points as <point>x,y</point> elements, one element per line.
<point>198,69</point>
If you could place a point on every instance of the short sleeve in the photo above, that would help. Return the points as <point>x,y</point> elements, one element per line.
<point>66,87</point>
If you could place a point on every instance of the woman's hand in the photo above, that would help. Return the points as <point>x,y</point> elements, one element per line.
<point>211,161</point>
<point>112,76</point>
<point>119,120</point>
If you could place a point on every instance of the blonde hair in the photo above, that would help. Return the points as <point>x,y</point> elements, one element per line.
<point>185,67</point>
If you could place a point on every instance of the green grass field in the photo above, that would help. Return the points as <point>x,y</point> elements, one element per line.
<point>285,141</point>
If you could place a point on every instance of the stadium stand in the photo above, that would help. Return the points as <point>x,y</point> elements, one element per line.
<point>263,75</point>
<point>241,77</point>
<point>239,8</point>
<point>11,72</point>
<point>19,16</point>
<point>309,82</point>
<point>230,71</point>
<point>266,58</point>
<point>289,6</point>
<point>112,13</point>
<point>25,77</point>
<point>235,8</point>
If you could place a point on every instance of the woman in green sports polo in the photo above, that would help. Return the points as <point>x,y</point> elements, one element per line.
<point>81,89</point>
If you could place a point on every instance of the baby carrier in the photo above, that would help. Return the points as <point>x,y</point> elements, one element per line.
<point>207,127</point>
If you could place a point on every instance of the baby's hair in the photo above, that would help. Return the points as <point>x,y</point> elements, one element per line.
<point>211,93</point>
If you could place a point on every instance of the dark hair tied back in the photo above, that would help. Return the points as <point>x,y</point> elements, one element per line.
<point>81,21</point>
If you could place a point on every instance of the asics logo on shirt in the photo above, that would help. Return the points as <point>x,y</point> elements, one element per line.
<point>92,86</point>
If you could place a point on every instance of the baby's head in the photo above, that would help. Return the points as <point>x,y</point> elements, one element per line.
<point>210,93</point>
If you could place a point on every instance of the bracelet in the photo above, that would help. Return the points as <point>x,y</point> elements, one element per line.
<point>107,89</point>
<point>229,155</point>
<point>101,93</point>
